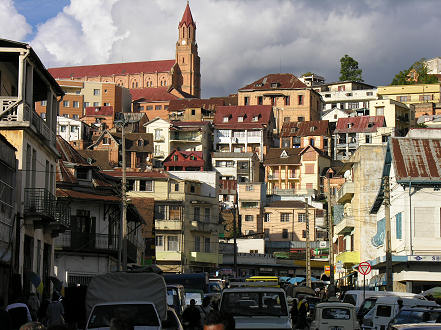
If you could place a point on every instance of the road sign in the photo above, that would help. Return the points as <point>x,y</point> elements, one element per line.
<point>364,268</point>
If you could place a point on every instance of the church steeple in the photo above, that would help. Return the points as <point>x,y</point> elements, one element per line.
<point>187,54</point>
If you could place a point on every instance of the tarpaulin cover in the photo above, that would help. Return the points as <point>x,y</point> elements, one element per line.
<point>126,286</point>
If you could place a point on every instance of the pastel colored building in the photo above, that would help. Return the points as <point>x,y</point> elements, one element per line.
<point>397,115</point>
<point>411,94</point>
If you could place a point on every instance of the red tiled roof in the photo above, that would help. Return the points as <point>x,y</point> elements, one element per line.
<point>152,94</point>
<point>417,160</point>
<point>263,112</point>
<point>111,69</point>
<point>152,174</point>
<point>99,111</point>
<point>207,104</point>
<point>187,18</point>
<point>68,193</point>
<point>283,81</point>
<point>304,128</point>
<point>362,124</point>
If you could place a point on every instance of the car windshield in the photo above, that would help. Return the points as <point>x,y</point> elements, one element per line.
<point>193,295</point>
<point>336,313</point>
<point>350,299</point>
<point>409,316</point>
<point>135,314</point>
<point>254,304</point>
<point>367,305</point>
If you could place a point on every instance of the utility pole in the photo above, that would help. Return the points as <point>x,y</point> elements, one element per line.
<point>122,250</point>
<point>235,210</point>
<point>330,233</point>
<point>308,247</point>
<point>389,284</point>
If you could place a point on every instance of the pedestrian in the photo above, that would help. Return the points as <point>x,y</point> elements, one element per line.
<point>217,321</point>
<point>302,308</point>
<point>32,326</point>
<point>294,312</point>
<point>191,317</point>
<point>34,305</point>
<point>18,313</point>
<point>55,311</point>
<point>204,309</point>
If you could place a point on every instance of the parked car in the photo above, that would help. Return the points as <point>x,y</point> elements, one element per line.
<point>334,316</point>
<point>419,326</point>
<point>414,315</point>
<point>386,308</point>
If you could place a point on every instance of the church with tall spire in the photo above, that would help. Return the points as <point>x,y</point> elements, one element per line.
<point>182,75</point>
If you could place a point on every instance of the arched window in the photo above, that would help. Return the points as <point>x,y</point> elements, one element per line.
<point>133,84</point>
<point>161,82</point>
<point>183,32</point>
<point>165,83</point>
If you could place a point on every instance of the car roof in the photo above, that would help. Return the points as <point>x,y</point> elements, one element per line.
<point>334,304</point>
<point>137,302</point>
<point>393,299</point>
<point>254,289</point>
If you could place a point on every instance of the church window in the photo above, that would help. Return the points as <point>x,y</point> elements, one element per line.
<point>183,60</point>
<point>189,33</point>
<point>161,83</point>
<point>165,83</point>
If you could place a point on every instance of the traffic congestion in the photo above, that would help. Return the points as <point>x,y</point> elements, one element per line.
<point>147,299</point>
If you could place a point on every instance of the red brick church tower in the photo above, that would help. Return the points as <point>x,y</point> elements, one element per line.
<point>187,57</point>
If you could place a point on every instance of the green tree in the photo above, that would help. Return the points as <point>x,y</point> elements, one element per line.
<point>416,74</point>
<point>349,69</point>
<point>309,73</point>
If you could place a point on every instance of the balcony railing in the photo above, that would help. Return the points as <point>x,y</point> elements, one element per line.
<point>168,224</point>
<point>345,193</point>
<point>284,192</point>
<point>186,138</point>
<point>42,203</point>
<point>87,241</point>
<point>204,226</point>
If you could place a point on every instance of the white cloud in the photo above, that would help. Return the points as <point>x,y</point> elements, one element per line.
<point>13,26</point>
<point>242,40</point>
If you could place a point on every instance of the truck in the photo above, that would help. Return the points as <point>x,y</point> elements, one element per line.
<point>139,298</point>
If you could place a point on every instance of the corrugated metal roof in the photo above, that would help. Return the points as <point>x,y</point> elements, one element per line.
<point>263,114</point>
<point>417,160</point>
<point>306,128</point>
<point>361,124</point>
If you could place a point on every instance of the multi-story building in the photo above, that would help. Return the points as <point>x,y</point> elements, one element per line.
<point>433,65</point>
<point>76,132</point>
<point>412,166</point>
<point>411,94</point>
<point>25,81</point>
<point>182,73</point>
<point>160,129</point>
<point>347,95</point>
<point>302,134</point>
<point>251,203</point>
<point>90,247</point>
<point>234,168</point>
<point>99,118</point>
<point>290,99</point>
<point>8,166</point>
<point>138,147</point>
<point>194,109</point>
<point>185,161</point>
<point>397,115</point>
<point>82,94</point>
<point>133,122</point>
<point>352,132</point>
<point>244,129</point>
<point>353,224</point>
<point>295,171</point>
<point>186,219</point>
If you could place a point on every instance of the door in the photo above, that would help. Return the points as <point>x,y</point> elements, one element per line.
<point>383,315</point>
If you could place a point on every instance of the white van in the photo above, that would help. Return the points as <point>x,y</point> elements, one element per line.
<point>386,308</point>
<point>355,297</point>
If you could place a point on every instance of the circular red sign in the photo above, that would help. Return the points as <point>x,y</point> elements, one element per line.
<point>364,268</point>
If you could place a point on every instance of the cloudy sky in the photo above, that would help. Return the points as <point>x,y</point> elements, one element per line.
<point>239,40</point>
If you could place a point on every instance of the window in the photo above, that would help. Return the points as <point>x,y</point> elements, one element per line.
<point>300,118</point>
<point>248,205</point>
<point>158,107</point>
<point>207,245</point>
<point>303,233</point>
<point>352,105</point>
<point>311,142</point>
<point>301,217</point>
<point>207,214</point>
<point>327,95</point>
<point>105,91</point>
<point>96,92</point>
<point>285,233</point>
<point>76,104</point>
<point>260,100</point>
<point>267,217</point>
<point>175,158</point>
<point>140,143</point>
<point>403,98</point>
<point>336,313</point>
<point>246,100</point>
<point>368,138</point>
<point>248,217</point>
<point>193,112</point>
<point>172,243</point>
<point>255,118</point>
<point>197,213</point>
<point>284,217</point>
<point>398,226</point>
<point>66,104</point>
<point>75,116</point>
<point>384,138</point>
<point>146,185</point>
<point>96,104</point>
<point>341,88</point>
<point>300,97</point>
<point>43,115</point>
<point>197,243</point>
<point>225,119</point>
<point>369,93</point>
<point>240,119</point>
<point>73,129</point>
<point>159,240</point>
<point>106,104</point>
<point>176,186</point>
<point>63,128</point>
<point>105,140</point>
<point>149,107</point>
<point>86,104</point>
<point>287,100</point>
<point>43,103</point>
<point>249,187</point>
<point>426,98</point>
<point>348,94</point>
<point>384,310</point>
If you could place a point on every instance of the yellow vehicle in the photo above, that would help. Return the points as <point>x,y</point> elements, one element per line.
<point>268,280</point>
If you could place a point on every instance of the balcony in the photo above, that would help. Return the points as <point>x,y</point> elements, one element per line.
<point>41,207</point>
<point>205,257</point>
<point>348,257</point>
<point>168,256</point>
<point>185,138</point>
<point>227,187</point>
<point>87,242</point>
<point>346,192</point>
<point>345,226</point>
<point>168,224</point>
<point>204,226</point>
<point>158,154</point>
<point>273,176</point>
